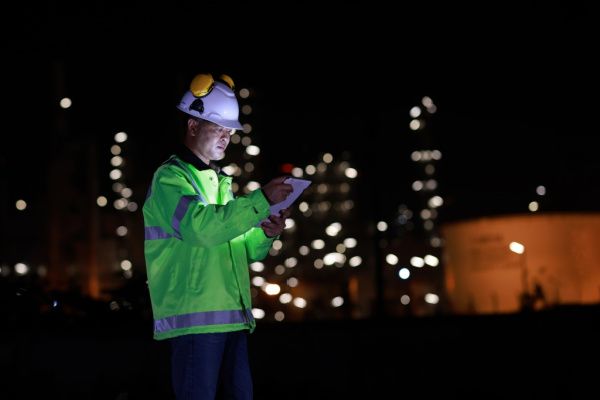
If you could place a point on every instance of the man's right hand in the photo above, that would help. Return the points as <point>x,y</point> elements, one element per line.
<point>276,191</point>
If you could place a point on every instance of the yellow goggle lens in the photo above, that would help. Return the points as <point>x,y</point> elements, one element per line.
<point>202,84</point>
<point>227,79</point>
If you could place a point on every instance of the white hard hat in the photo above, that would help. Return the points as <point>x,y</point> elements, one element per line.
<point>212,100</point>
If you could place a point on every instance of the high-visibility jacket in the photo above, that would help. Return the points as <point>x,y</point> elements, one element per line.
<point>199,241</point>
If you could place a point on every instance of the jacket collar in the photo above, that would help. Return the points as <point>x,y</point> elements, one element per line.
<point>187,155</point>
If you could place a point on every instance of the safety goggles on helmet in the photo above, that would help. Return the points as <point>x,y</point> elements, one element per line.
<point>202,84</point>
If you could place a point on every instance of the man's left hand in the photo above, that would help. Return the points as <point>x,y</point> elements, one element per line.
<point>276,223</point>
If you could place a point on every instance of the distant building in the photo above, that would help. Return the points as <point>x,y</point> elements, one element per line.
<point>510,263</point>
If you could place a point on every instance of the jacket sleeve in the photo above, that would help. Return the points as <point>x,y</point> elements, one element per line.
<point>257,244</point>
<point>200,224</point>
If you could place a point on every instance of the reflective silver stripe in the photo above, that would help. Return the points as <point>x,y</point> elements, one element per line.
<point>202,319</point>
<point>155,232</point>
<point>180,211</point>
<point>174,160</point>
<point>185,201</point>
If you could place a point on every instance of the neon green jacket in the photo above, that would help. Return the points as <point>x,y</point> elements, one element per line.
<point>199,241</point>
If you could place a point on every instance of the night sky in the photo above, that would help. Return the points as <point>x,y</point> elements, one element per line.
<point>514,84</point>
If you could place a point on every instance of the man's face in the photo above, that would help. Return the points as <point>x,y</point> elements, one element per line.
<point>209,140</point>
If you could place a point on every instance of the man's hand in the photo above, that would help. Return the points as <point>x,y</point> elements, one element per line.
<point>276,191</point>
<point>275,224</point>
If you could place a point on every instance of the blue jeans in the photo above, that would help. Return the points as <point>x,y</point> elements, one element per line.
<point>205,364</point>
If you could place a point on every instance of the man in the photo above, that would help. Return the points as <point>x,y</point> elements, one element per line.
<point>199,240</point>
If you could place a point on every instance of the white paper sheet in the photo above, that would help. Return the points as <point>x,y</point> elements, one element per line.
<point>298,185</point>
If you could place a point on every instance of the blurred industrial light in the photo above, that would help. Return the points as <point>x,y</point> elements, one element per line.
<point>541,190</point>
<point>257,266</point>
<point>426,101</point>
<point>415,124</point>
<point>415,112</point>
<point>126,265</point>
<point>258,281</point>
<point>285,298</point>
<point>21,268</point>
<point>115,174</point>
<point>297,172</point>
<point>101,201</point>
<point>350,242</point>
<point>21,205</point>
<point>120,137</point>
<point>299,302</point>
<point>516,247</point>
<point>116,161</point>
<point>304,250</point>
<point>253,150</point>
<point>417,262</point>
<point>534,206</point>
<point>432,298</point>
<point>244,93</point>
<point>337,301</point>
<point>272,289</point>
<point>431,260</point>
<point>65,102</point>
<point>391,259</point>
<point>355,261</point>
<point>279,316</point>
<point>404,273</point>
<point>126,192</point>
<point>351,173</point>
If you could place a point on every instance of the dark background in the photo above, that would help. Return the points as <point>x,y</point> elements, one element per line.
<point>514,84</point>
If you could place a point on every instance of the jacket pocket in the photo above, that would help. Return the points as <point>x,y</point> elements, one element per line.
<point>198,269</point>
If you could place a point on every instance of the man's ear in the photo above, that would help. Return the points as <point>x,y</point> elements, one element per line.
<point>192,125</point>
